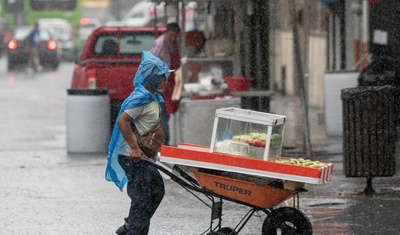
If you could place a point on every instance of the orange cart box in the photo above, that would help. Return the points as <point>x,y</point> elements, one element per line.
<point>262,196</point>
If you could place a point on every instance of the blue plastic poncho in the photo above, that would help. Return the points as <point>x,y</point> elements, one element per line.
<point>149,72</point>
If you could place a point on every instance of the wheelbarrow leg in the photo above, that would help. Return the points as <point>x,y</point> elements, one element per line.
<point>244,220</point>
<point>216,210</point>
<point>216,213</point>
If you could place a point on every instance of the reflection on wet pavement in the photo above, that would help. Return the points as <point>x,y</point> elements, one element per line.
<point>357,215</point>
<point>327,215</point>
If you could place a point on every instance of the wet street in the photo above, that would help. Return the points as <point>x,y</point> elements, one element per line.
<point>44,190</point>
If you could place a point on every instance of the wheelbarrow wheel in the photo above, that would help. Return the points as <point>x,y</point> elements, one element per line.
<point>287,221</point>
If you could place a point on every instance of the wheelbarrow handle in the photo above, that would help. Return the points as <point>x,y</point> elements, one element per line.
<point>180,180</point>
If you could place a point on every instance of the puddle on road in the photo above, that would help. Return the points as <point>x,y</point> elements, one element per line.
<point>325,202</point>
<point>352,215</point>
<point>327,215</point>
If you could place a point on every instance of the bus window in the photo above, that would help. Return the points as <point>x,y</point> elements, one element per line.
<point>45,5</point>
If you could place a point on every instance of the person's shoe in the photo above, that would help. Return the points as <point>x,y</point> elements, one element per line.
<point>39,68</point>
<point>121,230</point>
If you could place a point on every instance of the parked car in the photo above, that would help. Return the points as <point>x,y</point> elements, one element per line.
<point>18,52</point>
<point>5,35</point>
<point>110,60</point>
<point>115,23</point>
<point>143,14</point>
<point>86,26</point>
<point>64,35</point>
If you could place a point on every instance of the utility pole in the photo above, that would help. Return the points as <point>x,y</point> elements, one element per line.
<point>300,75</point>
<point>17,8</point>
<point>116,9</point>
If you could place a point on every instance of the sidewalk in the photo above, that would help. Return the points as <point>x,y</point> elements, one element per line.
<point>328,149</point>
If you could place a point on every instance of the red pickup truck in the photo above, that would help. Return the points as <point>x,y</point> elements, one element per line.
<point>110,59</point>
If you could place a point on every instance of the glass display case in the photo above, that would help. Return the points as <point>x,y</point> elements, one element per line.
<point>248,133</point>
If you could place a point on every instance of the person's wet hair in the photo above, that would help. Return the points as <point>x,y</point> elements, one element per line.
<point>173,27</point>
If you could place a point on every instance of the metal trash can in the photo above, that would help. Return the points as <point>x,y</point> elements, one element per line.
<point>88,120</point>
<point>369,132</point>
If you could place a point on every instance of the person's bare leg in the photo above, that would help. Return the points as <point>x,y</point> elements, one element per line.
<point>30,64</point>
<point>38,66</point>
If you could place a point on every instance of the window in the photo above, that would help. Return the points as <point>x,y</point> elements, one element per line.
<point>130,44</point>
<point>135,43</point>
<point>106,45</point>
<point>44,5</point>
<point>138,15</point>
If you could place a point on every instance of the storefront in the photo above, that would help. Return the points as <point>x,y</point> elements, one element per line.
<point>229,38</point>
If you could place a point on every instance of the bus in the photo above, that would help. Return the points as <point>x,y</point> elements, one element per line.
<point>27,12</point>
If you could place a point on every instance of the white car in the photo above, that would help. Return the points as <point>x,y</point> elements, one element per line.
<point>115,23</point>
<point>63,33</point>
<point>86,26</point>
<point>144,13</point>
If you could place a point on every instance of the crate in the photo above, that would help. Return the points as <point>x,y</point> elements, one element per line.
<point>248,133</point>
<point>239,83</point>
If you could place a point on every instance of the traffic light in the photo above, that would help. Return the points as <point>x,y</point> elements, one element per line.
<point>13,6</point>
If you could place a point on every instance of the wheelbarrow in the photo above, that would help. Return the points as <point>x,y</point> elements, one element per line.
<point>258,194</point>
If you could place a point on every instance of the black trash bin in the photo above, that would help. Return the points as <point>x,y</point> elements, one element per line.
<point>369,132</point>
<point>383,71</point>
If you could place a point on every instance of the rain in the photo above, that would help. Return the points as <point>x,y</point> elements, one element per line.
<point>325,72</point>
